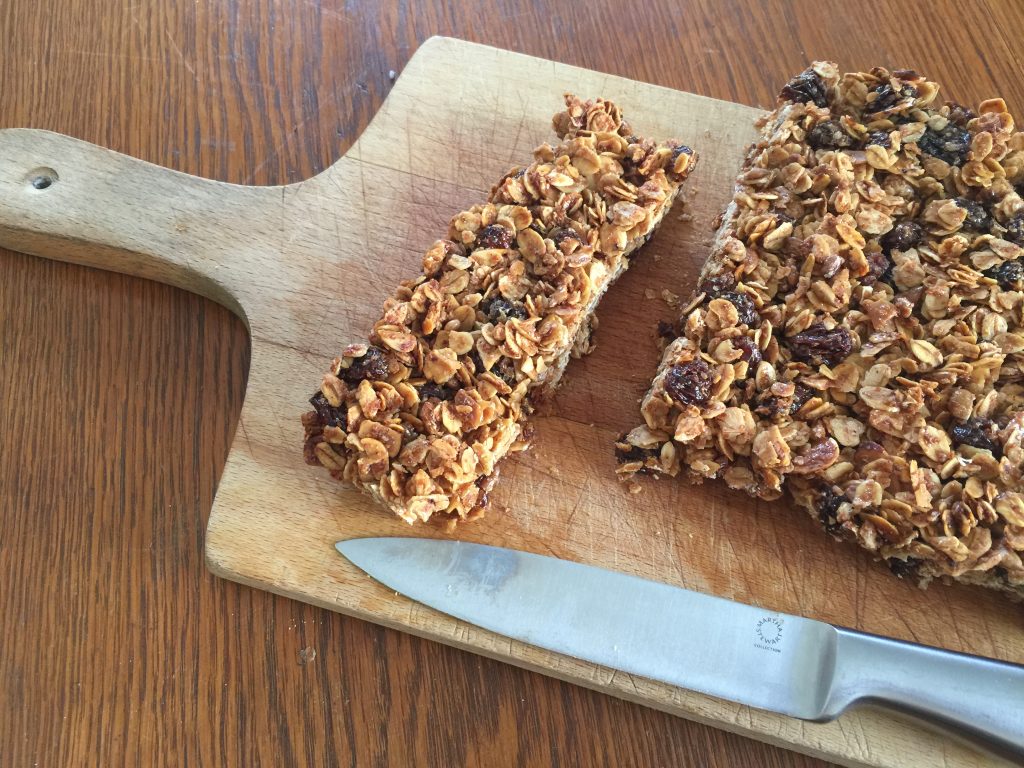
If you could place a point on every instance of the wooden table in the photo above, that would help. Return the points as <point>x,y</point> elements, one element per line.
<point>119,396</point>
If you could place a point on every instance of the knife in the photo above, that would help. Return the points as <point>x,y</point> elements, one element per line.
<point>773,661</point>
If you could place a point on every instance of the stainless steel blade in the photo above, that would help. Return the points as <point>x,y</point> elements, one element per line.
<point>750,656</point>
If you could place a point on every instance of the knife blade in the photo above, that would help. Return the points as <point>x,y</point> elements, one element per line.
<point>787,664</point>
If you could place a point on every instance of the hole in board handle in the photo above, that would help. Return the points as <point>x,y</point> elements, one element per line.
<point>41,179</point>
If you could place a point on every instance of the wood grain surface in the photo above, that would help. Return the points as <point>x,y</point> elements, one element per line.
<point>120,395</point>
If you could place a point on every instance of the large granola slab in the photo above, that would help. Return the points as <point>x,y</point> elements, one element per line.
<point>857,335</point>
<point>420,416</point>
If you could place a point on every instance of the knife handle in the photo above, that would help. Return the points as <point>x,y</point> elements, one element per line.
<point>977,699</point>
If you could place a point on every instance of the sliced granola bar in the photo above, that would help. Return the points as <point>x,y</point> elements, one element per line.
<point>420,416</point>
<point>857,334</point>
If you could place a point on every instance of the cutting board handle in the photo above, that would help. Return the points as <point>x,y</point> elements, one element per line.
<point>66,199</point>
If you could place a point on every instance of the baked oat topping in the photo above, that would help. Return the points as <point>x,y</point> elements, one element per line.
<point>877,235</point>
<point>420,415</point>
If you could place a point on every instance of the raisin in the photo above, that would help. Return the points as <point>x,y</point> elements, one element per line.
<point>879,267</point>
<point>977,433</point>
<point>432,390</point>
<point>716,285</point>
<point>904,569</point>
<point>800,396</point>
<point>748,351</point>
<point>819,345</point>
<point>951,144</point>
<point>1009,275</point>
<point>565,234</point>
<point>1015,229</point>
<point>633,453</point>
<point>886,97</point>
<point>880,138</point>
<point>494,236</point>
<point>960,114</point>
<point>328,414</point>
<point>505,370</point>
<point>689,383</point>
<point>770,406</point>
<point>807,86</point>
<point>667,330</point>
<point>499,309</point>
<point>828,508</point>
<point>372,365</point>
<point>829,135</point>
<point>682,149</point>
<point>767,405</point>
<point>744,308</point>
<point>977,216</point>
<point>903,236</point>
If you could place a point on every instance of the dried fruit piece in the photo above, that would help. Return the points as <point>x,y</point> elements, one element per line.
<point>829,134</point>
<point>745,308</point>
<point>904,568</point>
<point>499,310</point>
<point>1015,229</point>
<point>371,365</point>
<point>879,138</point>
<point>430,390</point>
<point>1009,275</point>
<point>977,216</point>
<point>827,508</point>
<point>951,144</point>
<point>807,86</point>
<point>494,236</point>
<point>689,383</point>
<point>749,352</point>
<point>328,414</point>
<point>819,345</point>
<point>903,236</point>
<point>715,285</point>
<point>977,433</point>
<point>884,97</point>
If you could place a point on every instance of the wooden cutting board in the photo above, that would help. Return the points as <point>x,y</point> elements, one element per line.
<point>307,266</point>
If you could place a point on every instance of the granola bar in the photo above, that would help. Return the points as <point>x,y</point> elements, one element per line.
<point>420,416</point>
<point>857,334</point>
